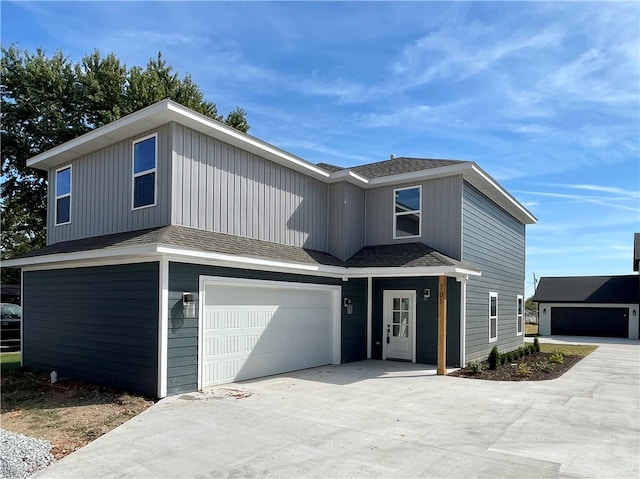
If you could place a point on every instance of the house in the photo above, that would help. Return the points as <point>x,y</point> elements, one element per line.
<point>606,306</point>
<point>182,253</point>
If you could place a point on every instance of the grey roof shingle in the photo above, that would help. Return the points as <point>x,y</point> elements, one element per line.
<point>397,255</point>
<point>589,289</point>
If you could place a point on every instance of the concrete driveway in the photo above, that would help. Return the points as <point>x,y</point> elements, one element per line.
<point>386,419</point>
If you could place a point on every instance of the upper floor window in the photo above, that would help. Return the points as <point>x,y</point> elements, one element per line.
<point>407,216</point>
<point>493,317</point>
<point>144,172</point>
<point>63,195</point>
<point>520,314</point>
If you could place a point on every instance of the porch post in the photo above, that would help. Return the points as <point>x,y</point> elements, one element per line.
<point>442,325</point>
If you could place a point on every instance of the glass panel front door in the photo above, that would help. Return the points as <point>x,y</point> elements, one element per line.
<point>398,324</point>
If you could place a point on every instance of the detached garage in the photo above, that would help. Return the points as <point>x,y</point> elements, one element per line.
<point>604,306</point>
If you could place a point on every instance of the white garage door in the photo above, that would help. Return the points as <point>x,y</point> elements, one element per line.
<point>254,328</point>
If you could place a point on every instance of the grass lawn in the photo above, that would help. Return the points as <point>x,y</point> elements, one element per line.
<point>10,361</point>
<point>530,329</point>
<point>568,349</point>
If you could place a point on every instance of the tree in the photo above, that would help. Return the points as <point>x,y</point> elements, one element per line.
<point>46,101</point>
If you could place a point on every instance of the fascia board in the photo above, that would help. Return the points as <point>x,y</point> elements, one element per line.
<point>348,175</point>
<point>454,271</point>
<point>161,113</point>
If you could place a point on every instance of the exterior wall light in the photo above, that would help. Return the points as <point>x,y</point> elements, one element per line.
<point>544,311</point>
<point>426,294</point>
<point>349,305</point>
<point>188,304</point>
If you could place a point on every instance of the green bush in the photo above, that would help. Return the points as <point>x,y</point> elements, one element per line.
<point>509,356</point>
<point>524,369</point>
<point>536,344</point>
<point>557,357</point>
<point>477,366</point>
<point>494,358</point>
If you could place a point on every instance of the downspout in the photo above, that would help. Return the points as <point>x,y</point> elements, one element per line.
<point>369,315</point>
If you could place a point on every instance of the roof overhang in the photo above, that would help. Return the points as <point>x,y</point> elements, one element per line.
<point>158,251</point>
<point>167,111</point>
<point>161,113</point>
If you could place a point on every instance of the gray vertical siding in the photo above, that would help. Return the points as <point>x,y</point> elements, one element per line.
<point>494,241</point>
<point>182,362</point>
<point>426,317</point>
<point>98,324</point>
<point>441,215</point>
<point>101,192</point>
<point>218,187</point>
<point>346,219</point>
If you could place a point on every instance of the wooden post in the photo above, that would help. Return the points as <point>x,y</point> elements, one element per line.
<point>442,325</point>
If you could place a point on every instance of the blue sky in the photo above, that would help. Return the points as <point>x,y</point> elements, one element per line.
<point>543,96</point>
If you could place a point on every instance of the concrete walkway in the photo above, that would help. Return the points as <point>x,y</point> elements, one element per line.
<point>386,419</point>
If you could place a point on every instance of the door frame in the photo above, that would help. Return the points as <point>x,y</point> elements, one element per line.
<point>387,294</point>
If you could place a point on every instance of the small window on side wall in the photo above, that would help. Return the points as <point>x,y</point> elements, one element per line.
<point>63,196</point>
<point>520,314</point>
<point>407,212</point>
<point>144,172</point>
<point>493,317</point>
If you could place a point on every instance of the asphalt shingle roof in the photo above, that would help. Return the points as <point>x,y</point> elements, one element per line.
<point>397,255</point>
<point>589,289</point>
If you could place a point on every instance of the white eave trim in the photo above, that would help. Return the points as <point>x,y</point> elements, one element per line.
<point>161,113</point>
<point>159,251</point>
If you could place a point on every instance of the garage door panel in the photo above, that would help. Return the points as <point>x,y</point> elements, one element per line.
<point>584,321</point>
<point>253,330</point>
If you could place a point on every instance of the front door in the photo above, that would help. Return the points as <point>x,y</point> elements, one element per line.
<point>399,324</point>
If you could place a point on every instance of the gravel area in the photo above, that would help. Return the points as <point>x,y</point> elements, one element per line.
<point>21,456</point>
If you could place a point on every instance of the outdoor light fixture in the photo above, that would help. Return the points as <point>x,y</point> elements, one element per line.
<point>188,304</point>
<point>349,305</point>
<point>544,311</point>
<point>634,312</point>
<point>426,294</point>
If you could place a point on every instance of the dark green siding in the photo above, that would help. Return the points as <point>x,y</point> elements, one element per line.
<point>426,317</point>
<point>354,326</point>
<point>99,324</point>
<point>182,373</point>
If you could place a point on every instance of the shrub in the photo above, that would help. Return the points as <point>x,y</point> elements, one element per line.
<point>524,369</point>
<point>509,357</point>
<point>557,357</point>
<point>536,344</point>
<point>477,366</point>
<point>494,358</point>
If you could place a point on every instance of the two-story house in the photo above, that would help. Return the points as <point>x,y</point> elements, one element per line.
<point>182,253</point>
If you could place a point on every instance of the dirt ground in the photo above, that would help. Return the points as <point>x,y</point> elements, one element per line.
<point>534,367</point>
<point>69,414</point>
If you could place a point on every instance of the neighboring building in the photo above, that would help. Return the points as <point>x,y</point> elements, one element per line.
<point>182,253</point>
<point>10,293</point>
<point>606,306</point>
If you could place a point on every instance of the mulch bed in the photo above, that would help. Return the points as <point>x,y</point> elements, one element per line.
<point>539,367</point>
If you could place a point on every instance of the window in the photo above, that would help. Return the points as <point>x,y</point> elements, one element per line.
<point>63,195</point>
<point>493,317</point>
<point>519,314</point>
<point>144,172</point>
<point>406,215</point>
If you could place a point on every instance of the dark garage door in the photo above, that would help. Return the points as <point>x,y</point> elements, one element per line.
<point>605,322</point>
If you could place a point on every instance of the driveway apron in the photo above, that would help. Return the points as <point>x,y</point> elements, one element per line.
<point>386,419</point>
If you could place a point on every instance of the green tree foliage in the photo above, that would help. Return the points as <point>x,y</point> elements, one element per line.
<point>46,101</point>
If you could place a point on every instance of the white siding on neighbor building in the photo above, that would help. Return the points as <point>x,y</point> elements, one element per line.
<point>218,187</point>
<point>101,193</point>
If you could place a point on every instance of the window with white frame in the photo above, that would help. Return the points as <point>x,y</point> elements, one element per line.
<point>520,314</point>
<point>63,195</point>
<point>144,172</point>
<point>493,317</point>
<point>407,212</point>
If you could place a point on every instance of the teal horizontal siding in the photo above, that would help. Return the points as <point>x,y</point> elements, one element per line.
<point>98,324</point>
